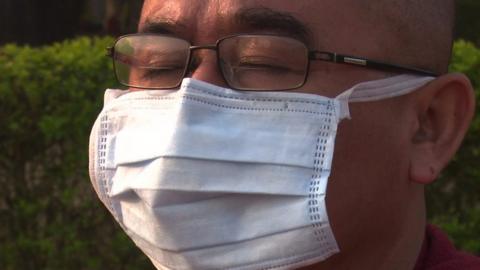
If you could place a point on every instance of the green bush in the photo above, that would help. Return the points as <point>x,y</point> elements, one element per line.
<point>50,217</point>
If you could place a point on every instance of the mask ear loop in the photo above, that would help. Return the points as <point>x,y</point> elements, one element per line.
<point>379,90</point>
<point>342,100</point>
<point>388,88</point>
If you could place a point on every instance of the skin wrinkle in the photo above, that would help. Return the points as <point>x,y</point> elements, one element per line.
<point>259,18</point>
<point>430,57</point>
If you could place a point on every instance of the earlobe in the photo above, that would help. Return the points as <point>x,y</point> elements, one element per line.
<point>444,109</point>
<point>422,164</point>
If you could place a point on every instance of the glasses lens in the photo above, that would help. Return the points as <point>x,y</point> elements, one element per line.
<point>150,61</point>
<point>256,62</point>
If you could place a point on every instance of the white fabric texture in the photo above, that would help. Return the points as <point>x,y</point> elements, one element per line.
<point>388,87</point>
<point>206,177</point>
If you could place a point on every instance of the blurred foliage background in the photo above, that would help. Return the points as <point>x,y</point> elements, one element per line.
<point>50,93</point>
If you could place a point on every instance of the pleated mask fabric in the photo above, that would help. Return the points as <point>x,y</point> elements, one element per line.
<point>206,177</point>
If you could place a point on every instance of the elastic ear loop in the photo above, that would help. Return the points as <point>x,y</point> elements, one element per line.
<point>378,90</point>
<point>387,88</point>
<point>343,100</point>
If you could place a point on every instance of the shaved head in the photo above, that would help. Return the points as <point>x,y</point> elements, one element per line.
<point>422,30</point>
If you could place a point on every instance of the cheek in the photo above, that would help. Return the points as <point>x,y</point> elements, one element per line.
<point>369,174</point>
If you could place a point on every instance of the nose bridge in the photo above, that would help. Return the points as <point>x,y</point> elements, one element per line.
<point>204,66</point>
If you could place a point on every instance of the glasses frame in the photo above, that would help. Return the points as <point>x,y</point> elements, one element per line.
<point>312,55</point>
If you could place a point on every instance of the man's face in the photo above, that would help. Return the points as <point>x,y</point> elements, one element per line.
<point>369,195</point>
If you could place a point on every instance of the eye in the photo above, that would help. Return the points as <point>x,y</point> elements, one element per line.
<point>262,63</point>
<point>154,73</point>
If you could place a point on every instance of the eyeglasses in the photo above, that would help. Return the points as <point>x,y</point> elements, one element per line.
<point>247,62</point>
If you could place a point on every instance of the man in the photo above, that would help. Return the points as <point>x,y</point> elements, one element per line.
<point>384,155</point>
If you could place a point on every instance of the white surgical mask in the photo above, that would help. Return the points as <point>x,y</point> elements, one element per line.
<point>206,177</point>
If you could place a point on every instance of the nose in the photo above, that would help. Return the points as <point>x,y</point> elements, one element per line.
<point>204,67</point>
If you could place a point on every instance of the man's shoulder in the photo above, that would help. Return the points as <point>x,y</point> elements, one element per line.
<point>438,253</point>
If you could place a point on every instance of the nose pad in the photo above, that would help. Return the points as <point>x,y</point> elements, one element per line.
<point>203,66</point>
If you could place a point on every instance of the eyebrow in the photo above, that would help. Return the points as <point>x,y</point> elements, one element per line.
<point>262,18</point>
<point>162,26</point>
<point>255,18</point>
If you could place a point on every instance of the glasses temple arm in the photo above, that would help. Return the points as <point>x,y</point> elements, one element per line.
<point>357,61</point>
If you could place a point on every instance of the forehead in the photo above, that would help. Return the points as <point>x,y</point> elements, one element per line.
<point>339,25</point>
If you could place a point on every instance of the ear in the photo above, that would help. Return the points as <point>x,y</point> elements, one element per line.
<point>444,109</point>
